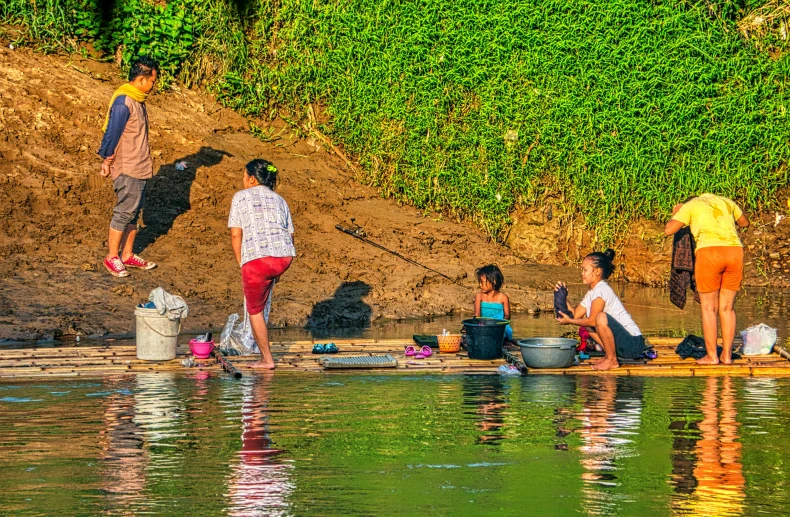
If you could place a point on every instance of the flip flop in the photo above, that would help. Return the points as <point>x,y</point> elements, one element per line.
<point>410,351</point>
<point>330,348</point>
<point>426,351</point>
<point>318,348</point>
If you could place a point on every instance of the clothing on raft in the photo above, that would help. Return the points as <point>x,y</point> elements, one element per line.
<point>694,347</point>
<point>681,274</point>
<point>495,310</point>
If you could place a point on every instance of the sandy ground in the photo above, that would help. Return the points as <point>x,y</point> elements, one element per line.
<point>56,209</point>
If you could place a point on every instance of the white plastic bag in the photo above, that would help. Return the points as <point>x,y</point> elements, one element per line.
<point>237,338</point>
<point>758,339</point>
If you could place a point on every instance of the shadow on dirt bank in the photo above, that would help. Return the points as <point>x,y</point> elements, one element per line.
<point>343,315</point>
<point>168,194</point>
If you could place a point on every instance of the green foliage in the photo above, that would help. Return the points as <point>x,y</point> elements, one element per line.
<point>613,109</point>
<point>135,28</point>
<point>162,32</point>
<point>618,109</point>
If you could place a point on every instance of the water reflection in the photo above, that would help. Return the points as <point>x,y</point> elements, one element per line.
<point>486,394</point>
<point>454,445</point>
<point>259,483</point>
<point>610,419</point>
<point>123,458</point>
<point>718,480</point>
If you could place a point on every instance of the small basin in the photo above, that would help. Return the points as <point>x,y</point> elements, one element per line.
<point>548,352</point>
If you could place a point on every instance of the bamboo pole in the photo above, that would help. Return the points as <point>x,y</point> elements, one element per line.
<point>226,365</point>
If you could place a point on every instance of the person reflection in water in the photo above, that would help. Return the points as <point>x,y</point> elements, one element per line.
<point>259,484</point>
<point>488,398</point>
<point>718,472</point>
<point>123,458</point>
<point>611,416</point>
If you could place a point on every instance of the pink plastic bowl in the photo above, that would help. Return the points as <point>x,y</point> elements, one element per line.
<point>201,349</point>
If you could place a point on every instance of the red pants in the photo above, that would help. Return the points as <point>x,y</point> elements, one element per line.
<point>257,277</point>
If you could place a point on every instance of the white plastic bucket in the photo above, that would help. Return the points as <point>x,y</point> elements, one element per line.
<point>157,336</point>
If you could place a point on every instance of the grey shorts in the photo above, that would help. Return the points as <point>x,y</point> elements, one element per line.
<point>131,196</point>
<point>626,345</point>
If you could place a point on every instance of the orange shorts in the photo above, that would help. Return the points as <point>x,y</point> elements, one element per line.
<point>718,267</point>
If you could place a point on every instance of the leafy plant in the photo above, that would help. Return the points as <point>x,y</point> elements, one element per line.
<point>613,109</point>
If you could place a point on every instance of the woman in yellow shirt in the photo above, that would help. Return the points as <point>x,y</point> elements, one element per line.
<point>718,265</point>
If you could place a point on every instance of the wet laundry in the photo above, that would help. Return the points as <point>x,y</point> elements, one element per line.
<point>681,275</point>
<point>561,302</point>
<point>694,347</point>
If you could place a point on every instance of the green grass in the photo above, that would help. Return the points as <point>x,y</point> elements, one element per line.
<point>613,109</point>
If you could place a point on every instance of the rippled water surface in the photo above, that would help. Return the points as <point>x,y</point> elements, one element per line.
<point>161,444</point>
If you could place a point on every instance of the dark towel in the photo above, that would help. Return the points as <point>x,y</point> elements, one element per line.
<point>561,303</point>
<point>681,275</point>
<point>694,346</point>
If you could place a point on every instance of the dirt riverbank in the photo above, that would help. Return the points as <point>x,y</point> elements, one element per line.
<point>56,209</point>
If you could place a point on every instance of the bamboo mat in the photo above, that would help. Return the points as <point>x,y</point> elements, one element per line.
<point>296,356</point>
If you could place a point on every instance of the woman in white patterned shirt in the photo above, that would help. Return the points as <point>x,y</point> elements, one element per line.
<point>262,238</point>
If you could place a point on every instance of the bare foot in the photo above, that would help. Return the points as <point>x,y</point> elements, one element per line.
<point>726,358</point>
<point>260,365</point>
<point>606,364</point>
<point>708,360</point>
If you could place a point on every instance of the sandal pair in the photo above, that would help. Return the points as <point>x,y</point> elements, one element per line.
<point>425,351</point>
<point>328,348</point>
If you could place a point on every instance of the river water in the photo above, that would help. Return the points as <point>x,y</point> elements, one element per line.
<point>187,444</point>
<point>360,444</point>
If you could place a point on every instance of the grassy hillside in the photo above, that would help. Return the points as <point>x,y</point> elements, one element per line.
<point>614,108</point>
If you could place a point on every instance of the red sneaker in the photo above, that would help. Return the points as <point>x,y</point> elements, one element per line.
<point>135,261</point>
<point>115,267</point>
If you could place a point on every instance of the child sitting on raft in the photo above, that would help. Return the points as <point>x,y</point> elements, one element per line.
<point>490,302</point>
<point>602,312</point>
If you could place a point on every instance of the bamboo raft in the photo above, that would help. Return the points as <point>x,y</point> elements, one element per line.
<point>296,356</point>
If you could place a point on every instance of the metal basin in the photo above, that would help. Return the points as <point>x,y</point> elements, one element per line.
<point>548,352</point>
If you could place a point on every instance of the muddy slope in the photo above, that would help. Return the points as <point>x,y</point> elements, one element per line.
<point>55,209</point>
<point>644,255</point>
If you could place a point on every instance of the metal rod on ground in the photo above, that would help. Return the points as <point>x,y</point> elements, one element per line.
<point>226,365</point>
<point>510,358</point>
<point>379,246</point>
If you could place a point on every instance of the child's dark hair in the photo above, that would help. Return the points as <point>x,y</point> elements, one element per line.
<point>263,171</point>
<point>603,260</point>
<point>143,67</point>
<point>492,274</point>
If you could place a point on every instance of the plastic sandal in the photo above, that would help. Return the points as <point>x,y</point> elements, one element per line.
<point>426,351</point>
<point>330,348</point>
<point>410,351</point>
<point>318,348</point>
<point>651,354</point>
